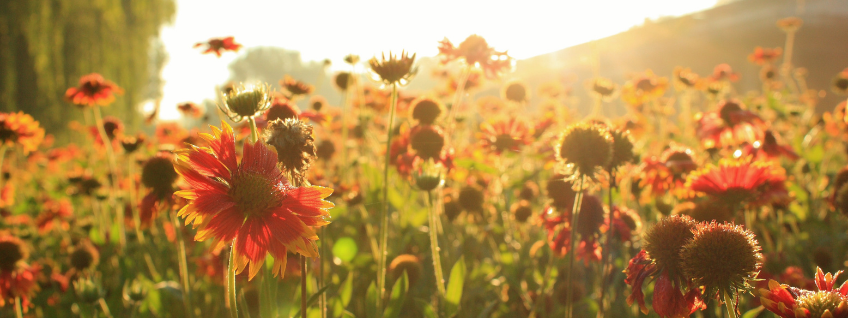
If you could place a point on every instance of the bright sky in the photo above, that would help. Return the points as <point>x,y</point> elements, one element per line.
<point>332,29</point>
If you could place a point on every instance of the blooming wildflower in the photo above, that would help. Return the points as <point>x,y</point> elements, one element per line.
<point>54,214</point>
<point>763,56</point>
<point>249,203</point>
<point>723,72</point>
<point>426,110</point>
<point>191,109</point>
<point>217,45</point>
<point>17,279</point>
<point>131,144</point>
<point>281,108</point>
<point>684,78</point>
<point>93,90</point>
<point>245,101</point>
<point>84,256</point>
<point>476,51</point>
<point>769,148</point>
<point>828,301</point>
<point>395,70</point>
<point>644,88</point>
<point>625,222</point>
<point>589,222</point>
<point>660,257</point>
<point>295,146</point>
<point>734,181</point>
<point>790,24</point>
<point>505,135</point>
<point>552,89</point>
<point>585,148</point>
<point>516,91</point>
<point>731,124</point>
<point>473,81</point>
<point>317,103</point>
<point>170,133</point>
<point>603,88</point>
<point>705,211</point>
<point>721,257</point>
<point>295,87</point>
<point>491,105</point>
<point>20,129</point>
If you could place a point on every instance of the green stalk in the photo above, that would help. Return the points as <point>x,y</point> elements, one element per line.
<point>575,210</point>
<point>254,132</point>
<point>728,302</point>
<point>434,247</point>
<point>457,98</point>
<point>231,282</point>
<point>19,311</point>
<point>113,166</point>
<point>303,295</point>
<point>132,196</point>
<point>608,247</point>
<point>2,159</point>
<point>183,265</point>
<point>384,225</point>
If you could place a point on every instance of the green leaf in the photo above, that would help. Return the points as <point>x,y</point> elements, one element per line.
<point>371,300</point>
<point>398,297</point>
<point>95,236</point>
<point>470,164</point>
<point>347,290</point>
<point>814,155</point>
<point>753,312</point>
<point>345,249</point>
<point>455,284</point>
<point>426,309</point>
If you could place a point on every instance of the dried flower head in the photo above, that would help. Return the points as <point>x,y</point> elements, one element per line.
<point>12,251</point>
<point>427,141</point>
<point>471,198</point>
<point>395,70</point>
<point>665,240</point>
<point>622,148</point>
<point>585,148</point>
<point>84,256</point>
<point>158,172</point>
<point>343,80</point>
<point>722,257</point>
<point>516,91</point>
<point>426,110</point>
<point>295,146</point>
<point>325,149</point>
<point>246,101</point>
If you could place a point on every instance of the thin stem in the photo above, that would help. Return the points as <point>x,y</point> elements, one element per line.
<point>322,299</point>
<point>135,213</point>
<point>19,311</point>
<point>575,210</point>
<point>231,282</point>
<point>105,307</point>
<point>303,286</point>
<point>113,166</point>
<point>434,247</point>
<point>343,164</point>
<point>608,247</point>
<point>254,131</point>
<point>2,159</point>
<point>183,266</point>
<point>457,98</point>
<point>384,227</point>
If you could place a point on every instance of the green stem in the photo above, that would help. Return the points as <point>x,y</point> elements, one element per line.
<point>113,167</point>
<point>575,210</point>
<point>132,196</point>
<point>2,159</point>
<point>608,248</point>
<point>322,299</point>
<point>254,131</point>
<point>457,98</point>
<point>303,296</point>
<point>434,247</point>
<point>19,311</point>
<point>384,228</point>
<point>231,282</point>
<point>183,266</point>
<point>343,164</point>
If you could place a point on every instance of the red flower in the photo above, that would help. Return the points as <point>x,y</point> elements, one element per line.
<point>249,203</point>
<point>736,181</point>
<point>731,124</point>
<point>789,302</point>
<point>216,45</point>
<point>668,172</point>
<point>475,51</point>
<point>22,129</point>
<point>724,72</point>
<point>93,90</point>
<point>21,283</point>
<point>765,55</point>
<point>589,224</point>
<point>505,135</point>
<point>769,148</point>
<point>191,109</point>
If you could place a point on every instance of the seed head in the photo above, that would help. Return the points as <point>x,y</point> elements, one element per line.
<point>622,148</point>
<point>12,250</point>
<point>158,172</point>
<point>516,91</point>
<point>295,146</point>
<point>665,240</point>
<point>427,141</point>
<point>426,110</point>
<point>395,70</point>
<point>721,257</point>
<point>84,256</point>
<point>585,148</point>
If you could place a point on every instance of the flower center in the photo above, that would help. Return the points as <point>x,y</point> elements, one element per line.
<point>504,142</point>
<point>254,194</point>
<point>10,254</point>
<point>818,302</point>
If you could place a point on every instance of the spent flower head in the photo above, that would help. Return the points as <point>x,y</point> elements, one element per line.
<point>585,148</point>
<point>394,70</point>
<point>722,257</point>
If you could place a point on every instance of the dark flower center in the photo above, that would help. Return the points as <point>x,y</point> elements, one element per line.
<point>254,194</point>
<point>10,254</point>
<point>504,142</point>
<point>841,84</point>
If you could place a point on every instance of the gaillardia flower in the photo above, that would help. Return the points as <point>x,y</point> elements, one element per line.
<point>476,51</point>
<point>295,87</point>
<point>734,181</point>
<point>674,293</point>
<point>426,110</point>
<point>762,56</point>
<point>395,70</point>
<point>622,148</point>
<point>20,129</point>
<point>731,124</point>
<point>516,91</point>
<point>217,45</point>
<point>93,90</point>
<point>723,258</point>
<point>159,175</point>
<point>790,302</point>
<point>584,148</point>
<point>644,88</point>
<point>505,135</point>
<point>249,203</point>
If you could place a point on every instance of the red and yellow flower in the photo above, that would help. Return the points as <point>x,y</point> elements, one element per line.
<point>249,203</point>
<point>20,129</point>
<point>93,90</point>
<point>790,302</point>
<point>218,45</point>
<point>729,125</point>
